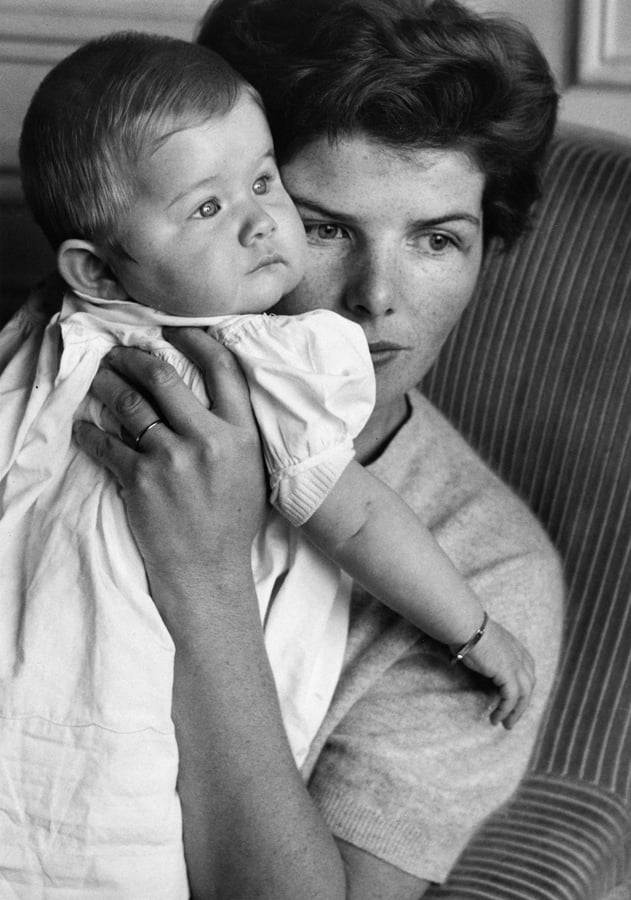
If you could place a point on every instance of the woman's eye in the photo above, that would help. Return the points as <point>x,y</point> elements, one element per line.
<point>207,210</point>
<point>325,232</point>
<point>262,185</point>
<point>439,242</point>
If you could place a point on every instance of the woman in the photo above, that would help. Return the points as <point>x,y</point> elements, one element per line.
<point>409,134</point>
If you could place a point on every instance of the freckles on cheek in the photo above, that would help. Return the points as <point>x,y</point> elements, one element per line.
<point>310,293</point>
<point>324,282</point>
<point>305,297</point>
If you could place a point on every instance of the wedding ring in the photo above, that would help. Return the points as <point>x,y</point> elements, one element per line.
<point>143,432</point>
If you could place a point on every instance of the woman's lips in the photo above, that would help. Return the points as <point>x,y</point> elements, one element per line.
<point>382,352</point>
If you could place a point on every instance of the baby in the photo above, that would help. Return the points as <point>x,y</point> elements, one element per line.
<point>149,164</point>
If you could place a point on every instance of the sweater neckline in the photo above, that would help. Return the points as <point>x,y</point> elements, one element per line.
<point>397,449</point>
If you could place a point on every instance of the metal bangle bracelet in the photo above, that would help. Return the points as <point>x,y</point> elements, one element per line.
<point>473,640</point>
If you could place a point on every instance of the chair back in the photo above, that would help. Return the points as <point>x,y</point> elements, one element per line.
<point>537,376</point>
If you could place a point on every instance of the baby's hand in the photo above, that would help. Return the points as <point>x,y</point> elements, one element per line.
<point>498,655</point>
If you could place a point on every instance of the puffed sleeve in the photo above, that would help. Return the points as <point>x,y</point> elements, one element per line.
<point>312,389</point>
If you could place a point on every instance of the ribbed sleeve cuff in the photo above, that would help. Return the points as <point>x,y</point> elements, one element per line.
<point>298,491</point>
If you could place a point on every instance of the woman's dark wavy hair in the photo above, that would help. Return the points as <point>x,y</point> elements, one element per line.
<point>408,73</point>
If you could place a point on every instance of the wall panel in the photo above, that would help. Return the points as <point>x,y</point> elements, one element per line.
<point>605,43</point>
<point>588,43</point>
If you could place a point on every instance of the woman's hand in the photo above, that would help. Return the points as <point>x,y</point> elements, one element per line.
<point>193,484</point>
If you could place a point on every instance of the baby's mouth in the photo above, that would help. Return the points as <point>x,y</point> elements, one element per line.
<point>271,259</point>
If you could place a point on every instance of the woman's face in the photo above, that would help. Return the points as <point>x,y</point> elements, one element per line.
<point>394,243</point>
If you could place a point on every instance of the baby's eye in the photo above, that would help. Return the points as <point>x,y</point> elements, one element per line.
<point>207,210</point>
<point>262,185</point>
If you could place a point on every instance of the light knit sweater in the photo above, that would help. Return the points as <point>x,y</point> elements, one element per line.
<point>406,764</point>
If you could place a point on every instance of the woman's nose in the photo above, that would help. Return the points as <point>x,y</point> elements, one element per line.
<point>371,289</point>
<point>257,223</point>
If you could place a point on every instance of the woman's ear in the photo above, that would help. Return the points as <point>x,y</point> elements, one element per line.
<point>82,265</point>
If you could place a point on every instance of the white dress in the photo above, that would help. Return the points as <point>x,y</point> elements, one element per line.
<point>89,758</point>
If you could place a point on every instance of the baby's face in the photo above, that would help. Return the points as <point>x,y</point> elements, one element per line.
<point>212,230</point>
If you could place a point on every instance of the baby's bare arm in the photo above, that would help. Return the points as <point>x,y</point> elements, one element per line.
<point>373,534</point>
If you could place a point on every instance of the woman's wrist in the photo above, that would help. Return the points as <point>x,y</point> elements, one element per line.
<point>196,605</point>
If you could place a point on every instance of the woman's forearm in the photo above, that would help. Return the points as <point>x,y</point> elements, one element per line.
<point>250,827</point>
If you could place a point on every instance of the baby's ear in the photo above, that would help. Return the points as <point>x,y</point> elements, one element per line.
<point>83,266</point>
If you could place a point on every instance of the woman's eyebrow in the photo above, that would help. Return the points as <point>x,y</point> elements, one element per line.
<point>319,210</point>
<point>449,217</point>
<point>327,213</point>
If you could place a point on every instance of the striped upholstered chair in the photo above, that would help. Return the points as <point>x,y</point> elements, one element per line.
<point>538,377</point>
